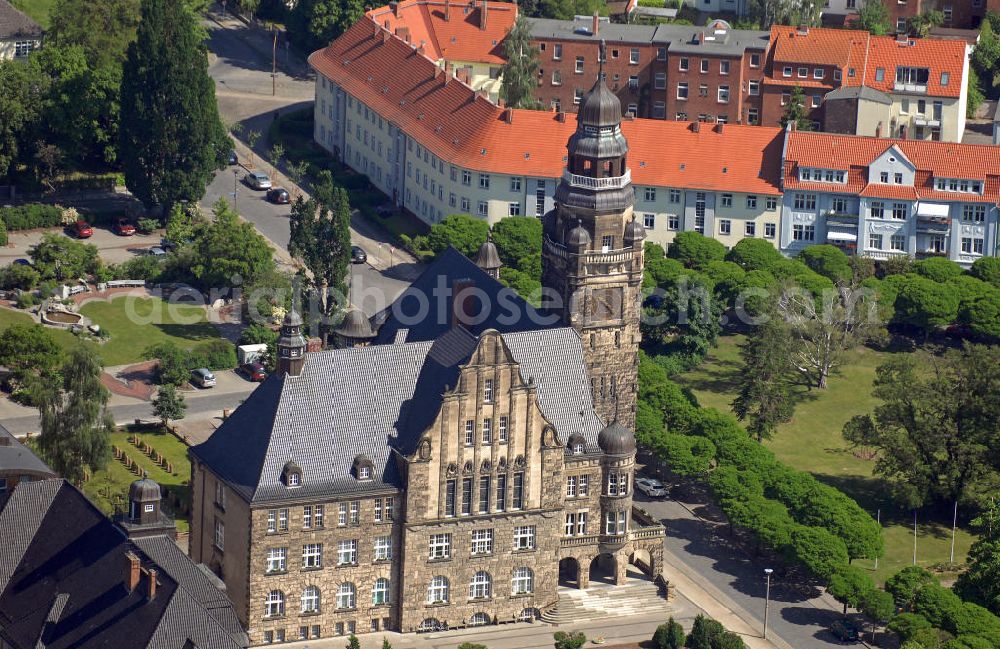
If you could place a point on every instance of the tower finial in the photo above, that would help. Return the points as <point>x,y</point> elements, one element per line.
<point>600,60</point>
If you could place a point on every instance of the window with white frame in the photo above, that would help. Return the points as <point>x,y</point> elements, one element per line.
<point>648,221</point>
<point>660,81</point>
<point>875,241</point>
<point>723,94</point>
<point>570,527</point>
<point>897,242</point>
<point>488,391</point>
<point>522,581</point>
<point>312,555</point>
<point>804,201</point>
<point>633,56</point>
<point>682,91</point>
<point>342,514</point>
<point>727,200</point>
<point>382,550</point>
<point>900,211</point>
<point>753,87</point>
<point>615,522</point>
<point>355,512</point>
<point>219,539</point>
<point>347,552</point>
<point>439,546</point>
<point>380,592</point>
<point>750,229</point>
<point>437,590</point>
<point>725,226</point>
<point>974,213</point>
<point>481,586</point>
<point>484,181</point>
<point>704,66</point>
<point>649,194</point>
<point>23,48</point>
<point>770,230</point>
<point>482,208</point>
<point>579,65</point>
<point>524,537</point>
<point>347,596</point>
<point>466,177</point>
<point>274,604</point>
<point>310,600</point>
<point>683,64</point>
<point>802,232</point>
<point>277,560</point>
<point>876,210</point>
<point>571,486</point>
<point>482,541</point>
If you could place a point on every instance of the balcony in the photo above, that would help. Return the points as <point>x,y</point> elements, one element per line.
<point>614,182</point>
<point>920,120</point>
<point>916,88</point>
<point>841,220</point>
<point>933,224</point>
<point>618,256</point>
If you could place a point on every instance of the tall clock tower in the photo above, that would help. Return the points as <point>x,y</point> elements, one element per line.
<point>592,253</point>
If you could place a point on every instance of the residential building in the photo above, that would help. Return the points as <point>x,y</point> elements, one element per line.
<point>18,464</point>
<point>912,88</point>
<point>963,14</point>
<point>883,198</point>
<point>19,34</point>
<point>69,577</point>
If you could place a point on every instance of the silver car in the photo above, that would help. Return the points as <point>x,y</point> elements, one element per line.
<point>203,378</point>
<point>257,180</point>
<point>651,487</point>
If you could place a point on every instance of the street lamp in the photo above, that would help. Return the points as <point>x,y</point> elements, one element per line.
<point>236,182</point>
<point>767,598</point>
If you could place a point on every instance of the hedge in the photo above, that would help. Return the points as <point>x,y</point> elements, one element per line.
<point>216,355</point>
<point>3,233</point>
<point>31,216</point>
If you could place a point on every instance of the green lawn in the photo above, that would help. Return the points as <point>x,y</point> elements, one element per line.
<point>37,9</point>
<point>10,317</point>
<point>109,488</point>
<point>812,442</point>
<point>136,323</point>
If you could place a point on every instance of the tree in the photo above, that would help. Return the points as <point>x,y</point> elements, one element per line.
<point>321,238</point>
<point>905,584</point>
<point>171,136</point>
<point>935,424</point>
<point>695,250</point>
<point>61,258</point>
<point>849,585</point>
<point>75,422</point>
<point>987,269</point>
<point>182,223</point>
<point>765,397</point>
<point>982,314</point>
<point>313,24</point>
<point>704,631</point>
<point>103,28</point>
<point>938,269</point>
<point>570,640</point>
<point>980,583</point>
<point>386,644</point>
<point>518,238</point>
<point>22,93</point>
<point>519,75</point>
<point>462,231</point>
<point>926,304</point>
<point>230,251</point>
<point>754,254</point>
<point>353,642</point>
<point>169,404</point>
<point>669,635</point>
<point>28,351</point>
<point>257,334</point>
<point>795,111</point>
<point>922,24</point>
<point>829,261</point>
<point>819,550</point>
<point>874,17</point>
<point>172,367</point>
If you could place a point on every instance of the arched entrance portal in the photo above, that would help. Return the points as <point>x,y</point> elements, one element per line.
<point>603,569</point>
<point>641,560</point>
<point>569,572</point>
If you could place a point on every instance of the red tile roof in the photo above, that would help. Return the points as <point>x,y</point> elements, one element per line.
<point>937,55</point>
<point>408,89</point>
<point>457,39</point>
<point>818,46</point>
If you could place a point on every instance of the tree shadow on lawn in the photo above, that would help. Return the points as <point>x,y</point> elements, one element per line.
<point>725,377</point>
<point>193,332</point>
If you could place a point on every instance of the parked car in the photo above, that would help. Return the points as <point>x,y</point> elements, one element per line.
<point>203,378</point>
<point>254,371</point>
<point>257,180</point>
<point>651,487</point>
<point>233,159</point>
<point>124,228</point>
<point>21,261</point>
<point>845,631</point>
<point>82,229</point>
<point>278,196</point>
<point>358,255</point>
<point>156,251</point>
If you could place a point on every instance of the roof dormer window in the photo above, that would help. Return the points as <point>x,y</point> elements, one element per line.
<point>577,445</point>
<point>363,469</point>
<point>291,475</point>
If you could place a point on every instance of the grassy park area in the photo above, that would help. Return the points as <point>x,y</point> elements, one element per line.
<point>39,10</point>
<point>812,442</point>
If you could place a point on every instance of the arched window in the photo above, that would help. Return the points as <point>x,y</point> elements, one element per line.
<point>430,624</point>
<point>346,595</point>
<point>437,591</point>
<point>529,615</point>
<point>481,585</point>
<point>380,591</point>
<point>523,581</point>
<point>479,619</point>
<point>310,599</point>
<point>274,605</point>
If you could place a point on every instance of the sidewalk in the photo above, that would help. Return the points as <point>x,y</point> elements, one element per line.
<point>261,41</point>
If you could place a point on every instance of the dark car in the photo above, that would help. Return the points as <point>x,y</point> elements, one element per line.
<point>21,261</point>
<point>82,229</point>
<point>845,631</point>
<point>123,228</point>
<point>254,371</point>
<point>278,196</point>
<point>233,159</point>
<point>358,256</point>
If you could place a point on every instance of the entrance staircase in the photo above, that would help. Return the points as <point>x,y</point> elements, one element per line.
<point>638,596</point>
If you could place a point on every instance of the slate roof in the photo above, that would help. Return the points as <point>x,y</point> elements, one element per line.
<point>15,457</point>
<point>378,399</point>
<point>63,584</point>
<point>859,92</point>
<point>15,24</point>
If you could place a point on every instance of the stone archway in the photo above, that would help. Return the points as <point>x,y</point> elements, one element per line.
<point>604,569</point>
<point>642,560</point>
<point>569,572</point>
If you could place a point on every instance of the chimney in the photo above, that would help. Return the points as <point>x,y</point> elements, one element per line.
<point>596,24</point>
<point>803,29</point>
<point>508,115</point>
<point>447,10</point>
<point>482,16</point>
<point>560,116</point>
<point>463,291</point>
<point>718,127</point>
<point>130,576</point>
<point>394,5</point>
<point>695,127</point>
<point>151,591</point>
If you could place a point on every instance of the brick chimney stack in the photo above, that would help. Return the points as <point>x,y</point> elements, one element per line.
<point>447,10</point>
<point>130,576</point>
<point>151,591</point>
<point>482,16</point>
<point>596,24</point>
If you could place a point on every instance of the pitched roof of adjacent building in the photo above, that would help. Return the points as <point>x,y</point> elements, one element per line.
<point>62,586</point>
<point>859,92</point>
<point>466,129</point>
<point>369,401</point>
<point>15,24</point>
<point>15,457</point>
<point>932,159</point>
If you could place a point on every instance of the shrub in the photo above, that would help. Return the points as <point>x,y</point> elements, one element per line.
<point>146,226</point>
<point>28,217</point>
<point>144,267</point>
<point>19,276</point>
<point>218,354</point>
<point>704,632</point>
<point>3,233</point>
<point>938,269</point>
<point>26,300</point>
<point>669,635</point>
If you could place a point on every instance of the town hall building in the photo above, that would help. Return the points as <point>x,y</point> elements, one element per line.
<point>460,454</point>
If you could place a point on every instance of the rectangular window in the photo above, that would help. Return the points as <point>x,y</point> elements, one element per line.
<point>307,517</point>
<point>347,552</point>
<point>803,73</point>
<point>282,520</point>
<point>465,203</point>
<point>484,181</point>
<point>675,196</point>
<point>801,232</point>
<point>515,184</point>
<point>875,241</point>
<point>466,496</point>
<point>583,485</point>
<point>502,430</point>
<point>272,521</point>
<point>484,494</point>
<point>673,222</point>
<point>382,550</point>
<point>581,523</point>
<point>897,242</point>
<point>786,71</point>
<point>557,51</point>
<point>683,64</point>
<point>449,498</point>
<point>704,66</point>
<point>312,555</point>
<point>682,91</point>
<point>483,208</point>
<point>725,226</point>
<point>277,560</point>
<point>818,73</point>
<point>751,202</point>
<point>487,432</point>
<point>501,496</point>
<point>755,60</point>
<point>570,524</point>
<point>488,391</point>
<point>900,211</point>
<point>702,92</point>
<point>577,95</point>
<point>610,523</point>
<point>897,178</point>
<point>649,194</point>
<point>517,499</point>
<point>805,201</point>
<point>723,96</point>
<point>727,200</point>
<point>877,210</point>
<point>769,230</point>
<point>579,65</point>
<point>648,221</point>
<point>571,486</point>
<point>356,512</point>
<point>754,88</point>
<point>977,245</point>
<point>661,54</point>
<point>482,541</point>
<point>660,80</point>
<point>633,56</point>
<point>439,546</point>
<point>524,537</point>
<point>470,432</point>
<point>974,213</point>
<point>220,528</point>
<point>750,229</point>
<point>659,110</point>
<point>723,67</point>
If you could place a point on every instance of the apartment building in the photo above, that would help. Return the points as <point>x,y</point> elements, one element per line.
<point>960,14</point>
<point>907,88</point>
<point>882,198</point>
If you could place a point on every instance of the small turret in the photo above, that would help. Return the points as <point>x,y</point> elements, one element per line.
<point>354,330</point>
<point>291,345</point>
<point>488,258</point>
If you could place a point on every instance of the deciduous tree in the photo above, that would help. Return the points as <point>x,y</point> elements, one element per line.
<point>169,404</point>
<point>59,257</point>
<point>230,252</point>
<point>795,111</point>
<point>829,261</point>
<point>849,585</point>
<point>754,254</point>
<point>695,250</point>
<point>874,17</point>
<point>462,231</point>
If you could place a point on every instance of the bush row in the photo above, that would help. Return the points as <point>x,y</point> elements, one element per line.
<point>31,216</point>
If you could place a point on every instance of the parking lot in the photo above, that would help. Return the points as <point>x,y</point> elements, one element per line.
<point>114,249</point>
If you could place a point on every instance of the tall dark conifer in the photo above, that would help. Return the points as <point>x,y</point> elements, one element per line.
<point>171,135</point>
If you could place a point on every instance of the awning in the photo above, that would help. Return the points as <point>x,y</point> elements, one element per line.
<point>841,236</point>
<point>932,209</point>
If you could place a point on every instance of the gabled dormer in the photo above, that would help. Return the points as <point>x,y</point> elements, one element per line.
<point>892,167</point>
